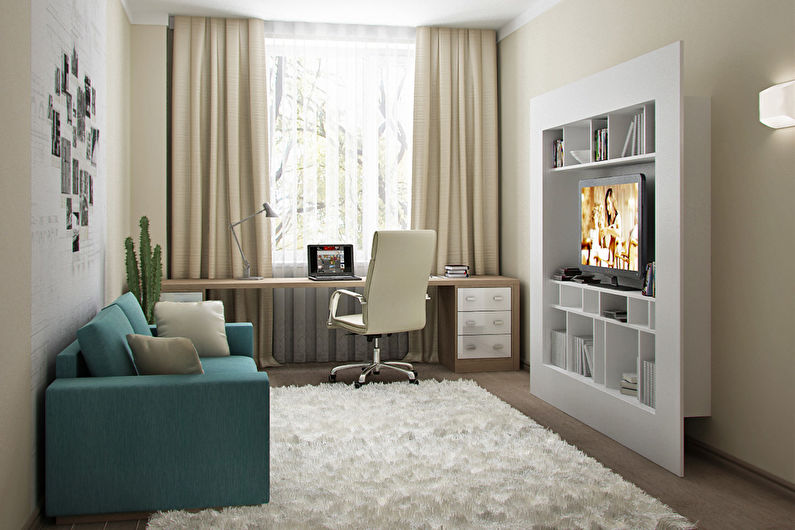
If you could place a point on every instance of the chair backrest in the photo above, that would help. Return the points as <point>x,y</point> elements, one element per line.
<point>397,280</point>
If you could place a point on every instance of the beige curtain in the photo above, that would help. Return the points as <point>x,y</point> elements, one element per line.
<point>455,183</point>
<point>220,162</point>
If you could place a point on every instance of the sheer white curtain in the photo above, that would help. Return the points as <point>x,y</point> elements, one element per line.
<point>340,102</point>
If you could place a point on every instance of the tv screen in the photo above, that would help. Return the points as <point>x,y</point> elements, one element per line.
<point>612,227</point>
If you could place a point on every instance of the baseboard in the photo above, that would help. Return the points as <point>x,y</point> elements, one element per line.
<point>103,517</point>
<point>733,461</point>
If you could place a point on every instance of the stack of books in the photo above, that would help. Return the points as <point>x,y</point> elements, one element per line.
<point>600,144</point>
<point>617,314</point>
<point>629,384</point>
<point>583,355</point>
<point>566,274</point>
<point>456,271</point>
<point>585,278</point>
<point>558,153</point>
<point>558,348</point>
<point>648,388</point>
<point>649,287</point>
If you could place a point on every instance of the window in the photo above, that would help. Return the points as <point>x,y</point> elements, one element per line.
<point>340,113</point>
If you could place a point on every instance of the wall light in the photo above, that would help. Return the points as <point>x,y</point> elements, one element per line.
<point>777,105</point>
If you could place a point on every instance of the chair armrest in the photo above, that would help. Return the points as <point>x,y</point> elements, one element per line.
<point>239,335</point>
<point>145,443</point>
<point>334,301</point>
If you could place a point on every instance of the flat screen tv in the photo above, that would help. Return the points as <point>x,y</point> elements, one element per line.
<point>613,226</point>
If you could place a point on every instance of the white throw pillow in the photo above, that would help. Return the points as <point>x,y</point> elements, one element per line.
<point>202,322</point>
<point>164,355</point>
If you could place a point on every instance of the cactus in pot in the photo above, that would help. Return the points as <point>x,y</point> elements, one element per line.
<point>144,275</point>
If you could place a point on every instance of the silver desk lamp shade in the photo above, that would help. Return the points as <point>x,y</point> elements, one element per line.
<point>269,212</point>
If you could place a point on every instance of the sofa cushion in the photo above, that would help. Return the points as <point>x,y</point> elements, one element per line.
<point>164,355</point>
<point>231,364</point>
<point>104,344</point>
<point>201,322</point>
<point>132,310</point>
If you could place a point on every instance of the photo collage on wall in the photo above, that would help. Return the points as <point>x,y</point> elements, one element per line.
<point>74,140</point>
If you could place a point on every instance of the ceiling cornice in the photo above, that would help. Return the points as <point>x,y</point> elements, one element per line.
<point>538,7</point>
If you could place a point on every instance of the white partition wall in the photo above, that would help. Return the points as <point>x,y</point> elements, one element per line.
<point>665,339</point>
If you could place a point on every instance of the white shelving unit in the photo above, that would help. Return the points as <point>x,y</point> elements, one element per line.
<point>672,329</point>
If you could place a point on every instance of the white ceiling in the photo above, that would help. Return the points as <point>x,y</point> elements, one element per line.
<point>493,14</point>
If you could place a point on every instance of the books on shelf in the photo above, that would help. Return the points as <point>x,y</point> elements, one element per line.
<point>557,155</point>
<point>617,314</point>
<point>649,287</point>
<point>600,144</point>
<point>456,271</point>
<point>629,384</point>
<point>647,388</point>
<point>583,355</point>
<point>635,142</point>
<point>558,348</point>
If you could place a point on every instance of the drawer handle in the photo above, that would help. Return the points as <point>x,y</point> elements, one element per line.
<point>470,347</point>
<point>498,346</point>
<point>498,322</point>
<point>498,298</point>
<point>471,298</point>
<point>471,322</point>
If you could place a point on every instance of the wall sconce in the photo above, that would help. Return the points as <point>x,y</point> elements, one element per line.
<point>777,105</point>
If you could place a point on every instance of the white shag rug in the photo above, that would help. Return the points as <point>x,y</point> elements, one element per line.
<point>435,455</point>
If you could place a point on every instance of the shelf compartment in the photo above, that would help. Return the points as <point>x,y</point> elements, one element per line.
<point>576,326</point>
<point>637,312</point>
<point>590,301</point>
<point>599,352</point>
<point>646,352</point>
<point>612,302</point>
<point>621,353</point>
<point>571,296</point>
<point>652,315</point>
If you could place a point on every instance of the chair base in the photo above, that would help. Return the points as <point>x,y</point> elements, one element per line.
<point>375,366</point>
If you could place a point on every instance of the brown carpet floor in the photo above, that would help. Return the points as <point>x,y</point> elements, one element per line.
<point>714,493</point>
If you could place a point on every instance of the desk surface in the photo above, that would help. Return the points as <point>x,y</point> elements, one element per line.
<point>172,286</point>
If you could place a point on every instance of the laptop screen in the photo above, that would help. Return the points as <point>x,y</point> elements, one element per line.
<point>330,260</point>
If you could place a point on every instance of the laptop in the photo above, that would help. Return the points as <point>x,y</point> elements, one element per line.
<point>330,262</point>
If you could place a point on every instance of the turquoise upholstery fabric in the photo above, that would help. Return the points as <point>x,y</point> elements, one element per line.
<point>104,344</point>
<point>146,443</point>
<point>225,365</point>
<point>132,310</point>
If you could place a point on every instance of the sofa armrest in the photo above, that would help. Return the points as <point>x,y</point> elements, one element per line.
<point>239,335</point>
<point>145,443</point>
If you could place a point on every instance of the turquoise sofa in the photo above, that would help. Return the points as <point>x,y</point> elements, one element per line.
<point>146,443</point>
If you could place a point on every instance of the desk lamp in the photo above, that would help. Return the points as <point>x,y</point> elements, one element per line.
<point>246,265</point>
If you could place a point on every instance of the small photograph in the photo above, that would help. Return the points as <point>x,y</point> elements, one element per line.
<point>68,213</point>
<point>93,101</point>
<point>56,134</point>
<point>76,233</point>
<point>68,107</point>
<point>75,170</point>
<point>74,137</point>
<point>66,165</point>
<point>57,81</point>
<point>81,115</point>
<point>94,145</point>
<point>82,184</point>
<point>87,96</point>
<point>74,61</point>
<point>49,108</point>
<point>83,210</point>
<point>76,180</point>
<point>91,189</point>
<point>65,68</point>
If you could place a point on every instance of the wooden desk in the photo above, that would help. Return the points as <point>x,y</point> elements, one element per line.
<point>478,316</point>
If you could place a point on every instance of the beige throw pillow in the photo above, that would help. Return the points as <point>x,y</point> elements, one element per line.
<point>161,356</point>
<point>201,322</point>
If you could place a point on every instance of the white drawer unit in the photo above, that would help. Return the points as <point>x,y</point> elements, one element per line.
<point>484,323</point>
<point>484,346</point>
<point>484,299</point>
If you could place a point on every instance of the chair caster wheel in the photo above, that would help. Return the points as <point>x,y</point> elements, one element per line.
<point>332,378</point>
<point>414,372</point>
<point>414,381</point>
<point>357,384</point>
<point>377,373</point>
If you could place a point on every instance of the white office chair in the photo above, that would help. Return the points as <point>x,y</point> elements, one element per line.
<point>394,296</point>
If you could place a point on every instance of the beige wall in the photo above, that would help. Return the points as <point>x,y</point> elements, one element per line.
<point>16,408</point>
<point>732,50</point>
<point>148,126</point>
<point>117,162</point>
